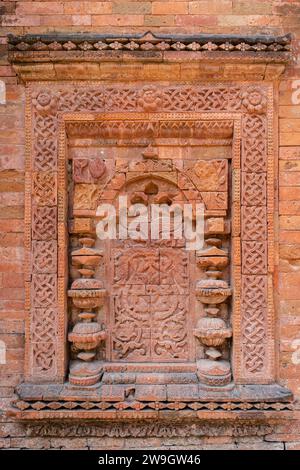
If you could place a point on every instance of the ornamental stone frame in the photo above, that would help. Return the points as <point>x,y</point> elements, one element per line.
<point>239,112</point>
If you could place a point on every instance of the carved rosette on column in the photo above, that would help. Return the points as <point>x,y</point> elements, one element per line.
<point>87,295</point>
<point>212,330</point>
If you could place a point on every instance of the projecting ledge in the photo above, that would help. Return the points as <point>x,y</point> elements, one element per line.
<point>116,401</point>
<point>149,57</point>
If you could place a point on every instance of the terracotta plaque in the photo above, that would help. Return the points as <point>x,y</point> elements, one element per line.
<point>154,144</point>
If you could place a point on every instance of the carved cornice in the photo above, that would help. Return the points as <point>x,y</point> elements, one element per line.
<point>39,57</point>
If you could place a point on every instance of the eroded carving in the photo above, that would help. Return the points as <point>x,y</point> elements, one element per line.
<point>88,170</point>
<point>210,175</point>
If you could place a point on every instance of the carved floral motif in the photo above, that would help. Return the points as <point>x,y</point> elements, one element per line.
<point>44,223</point>
<point>254,100</point>
<point>44,101</point>
<point>150,98</point>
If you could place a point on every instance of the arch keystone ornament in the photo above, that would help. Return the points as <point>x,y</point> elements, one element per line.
<point>138,326</point>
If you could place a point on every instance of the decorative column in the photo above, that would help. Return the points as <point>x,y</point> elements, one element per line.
<point>212,330</point>
<point>87,295</point>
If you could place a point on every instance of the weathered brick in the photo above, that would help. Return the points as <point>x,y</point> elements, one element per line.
<point>290,222</point>
<point>117,20</point>
<point>71,71</point>
<point>217,7</point>
<point>289,193</point>
<point>159,20</point>
<point>12,293</point>
<point>59,20</point>
<point>105,443</point>
<point>289,178</point>
<point>6,71</point>
<point>69,444</point>
<point>293,445</point>
<point>15,226</point>
<point>291,139</point>
<point>30,443</point>
<point>81,20</point>
<point>289,207</point>
<point>21,20</point>
<point>289,285</point>
<point>290,251</point>
<point>289,236</point>
<point>195,20</point>
<point>242,7</point>
<point>12,326</point>
<point>131,8</point>
<point>90,8</point>
<point>289,125</point>
<point>289,153</point>
<point>7,8</point>
<point>5,443</point>
<point>39,8</point>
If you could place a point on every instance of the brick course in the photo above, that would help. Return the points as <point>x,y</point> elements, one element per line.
<point>214,16</point>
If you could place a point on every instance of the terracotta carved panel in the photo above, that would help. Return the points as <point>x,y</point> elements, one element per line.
<point>145,300</point>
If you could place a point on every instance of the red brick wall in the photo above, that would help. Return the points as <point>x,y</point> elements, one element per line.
<point>212,16</point>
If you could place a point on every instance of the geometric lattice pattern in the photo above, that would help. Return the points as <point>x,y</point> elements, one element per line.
<point>254,155</point>
<point>44,223</point>
<point>43,358</point>
<point>44,256</point>
<point>44,290</point>
<point>44,188</point>
<point>254,290</point>
<point>254,223</point>
<point>254,189</point>
<point>43,327</point>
